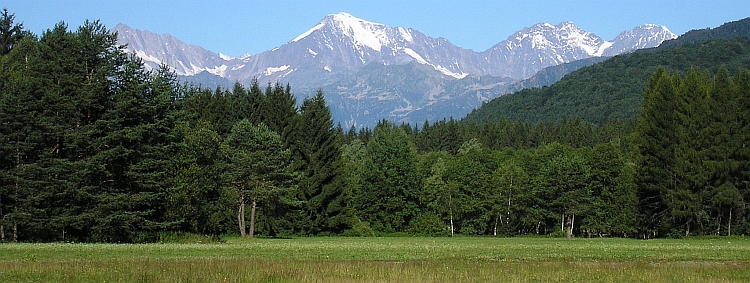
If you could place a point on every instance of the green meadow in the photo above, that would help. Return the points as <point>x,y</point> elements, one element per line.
<point>384,260</point>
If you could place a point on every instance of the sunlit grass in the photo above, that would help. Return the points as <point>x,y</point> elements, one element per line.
<point>383,260</point>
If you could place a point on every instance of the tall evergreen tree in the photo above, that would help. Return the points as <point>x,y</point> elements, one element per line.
<point>20,138</point>
<point>279,110</point>
<point>10,32</point>
<point>322,182</point>
<point>656,162</point>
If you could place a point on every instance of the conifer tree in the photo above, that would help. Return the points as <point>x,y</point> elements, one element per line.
<point>322,182</point>
<point>655,137</point>
<point>258,168</point>
<point>10,32</point>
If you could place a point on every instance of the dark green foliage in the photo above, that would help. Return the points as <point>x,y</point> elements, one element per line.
<point>258,170</point>
<point>612,89</point>
<point>197,197</point>
<point>323,183</point>
<point>388,197</point>
<point>95,148</point>
<point>10,33</point>
<point>734,29</point>
<point>690,142</point>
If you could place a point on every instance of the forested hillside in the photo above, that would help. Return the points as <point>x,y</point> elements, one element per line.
<point>613,89</point>
<point>95,148</point>
<point>728,30</point>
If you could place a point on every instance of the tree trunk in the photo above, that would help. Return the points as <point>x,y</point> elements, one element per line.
<point>495,230</point>
<point>507,218</point>
<point>562,222</point>
<point>15,232</point>
<point>252,218</point>
<point>450,209</point>
<point>718,226</point>
<point>729,225</point>
<point>569,233</point>
<point>241,216</point>
<point>2,219</point>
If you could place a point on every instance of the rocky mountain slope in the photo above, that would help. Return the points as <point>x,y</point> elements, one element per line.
<point>371,71</point>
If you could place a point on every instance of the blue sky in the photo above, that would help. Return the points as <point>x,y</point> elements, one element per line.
<point>238,27</point>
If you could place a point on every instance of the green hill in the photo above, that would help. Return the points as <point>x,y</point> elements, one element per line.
<point>614,88</point>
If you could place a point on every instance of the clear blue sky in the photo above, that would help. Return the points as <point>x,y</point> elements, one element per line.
<point>237,27</point>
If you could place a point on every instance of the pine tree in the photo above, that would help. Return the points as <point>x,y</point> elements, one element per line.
<point>258,168</point>
<point>10,33</point>
<point>20,139</point>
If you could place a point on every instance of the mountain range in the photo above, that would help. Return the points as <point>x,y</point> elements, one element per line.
<point>370,71</point>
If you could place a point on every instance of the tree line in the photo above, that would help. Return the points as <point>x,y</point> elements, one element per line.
<point>97,148</point>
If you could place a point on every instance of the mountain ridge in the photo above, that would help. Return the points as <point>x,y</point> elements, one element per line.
<point>334,52</point>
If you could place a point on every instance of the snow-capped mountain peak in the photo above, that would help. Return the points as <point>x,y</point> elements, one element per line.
<point>645,36</point>
<point>361,32</point>
<point>372,35</point>
<point>391,67</point>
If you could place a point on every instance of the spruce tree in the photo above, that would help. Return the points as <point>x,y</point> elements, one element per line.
<point>322,182</point>
<point>655,135</point>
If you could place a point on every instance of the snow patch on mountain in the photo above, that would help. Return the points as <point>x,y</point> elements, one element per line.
<point>225,57</point>
<point>406,34</point>
<point>219,71</point>
<point>369,34</point>
<point>308,32</point>
<point>447,72</point>
<point>271,70</point>
<point>415,55</point>
<point>602,48</point>
<point>439,68</point>
<point>147,58</point>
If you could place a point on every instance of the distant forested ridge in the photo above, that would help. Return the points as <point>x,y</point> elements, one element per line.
<point>613,89</point>
<point>95,148</point>
<point>739,28</point>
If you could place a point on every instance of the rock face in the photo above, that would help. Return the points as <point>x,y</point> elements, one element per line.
<point>370,71</point>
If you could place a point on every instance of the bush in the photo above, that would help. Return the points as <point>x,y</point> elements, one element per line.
<point>429,224</point>
<point>559,234</point>
<point>359,229</point>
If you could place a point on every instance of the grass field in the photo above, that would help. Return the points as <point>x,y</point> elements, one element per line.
<point>410,260</point>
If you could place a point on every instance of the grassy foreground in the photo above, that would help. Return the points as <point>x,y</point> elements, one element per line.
<point>410,260</point>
